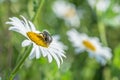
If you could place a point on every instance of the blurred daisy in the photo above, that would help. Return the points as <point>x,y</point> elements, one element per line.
<point>66,11</point>
<point>116,8</point>
<point>100,5</point>
<point>43,43</point>
<point>82,42</point>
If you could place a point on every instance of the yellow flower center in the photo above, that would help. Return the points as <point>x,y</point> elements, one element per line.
<point>70,13</point>
<point>38,39</point>
<point>89,45</point>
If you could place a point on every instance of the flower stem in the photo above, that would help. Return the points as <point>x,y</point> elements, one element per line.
<point>102,32</point>
<point>38,11</point>
<point>22,60</point>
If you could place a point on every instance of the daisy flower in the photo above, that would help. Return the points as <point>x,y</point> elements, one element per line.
<point>116,8</point>
<point>67,12</point>
<point>100,5</point>
<point>43,43</point>
<point>82,42</point>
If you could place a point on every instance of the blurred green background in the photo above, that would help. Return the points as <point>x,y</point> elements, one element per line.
<point>74,67</point>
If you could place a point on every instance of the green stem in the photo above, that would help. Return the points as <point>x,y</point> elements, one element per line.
<point>38,11</point>
<point>102,32</point>
<point>22,60</point>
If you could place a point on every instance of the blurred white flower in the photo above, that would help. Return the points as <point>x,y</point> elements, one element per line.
<point>43,43</point>
<point>100,5</point>
<point>82,42</point>
<point>66,11</point>
<point>116,19</point>
<point>116,8</point>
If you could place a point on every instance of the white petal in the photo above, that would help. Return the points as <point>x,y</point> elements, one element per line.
<point>32,53</point>
<point>26,23</point>
<point>37,52</point>
<point>56,44</point>
<point>49,58</point>
<point>32,26</point>
<point>17,23</point>
<point>79,50</point>
<point>107,53</point>
<point>56,58</point>
<point>101,59</point>
<point>44,52</point>
<point>57,48</point>
<point>18,30</point>
<point>14,29</point>
<point>26,43</point>
<point>59,54</point>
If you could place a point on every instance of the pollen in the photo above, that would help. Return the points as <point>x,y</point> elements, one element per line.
<point>70,13</point>
<point>89,45</point>
<point>38,39</point>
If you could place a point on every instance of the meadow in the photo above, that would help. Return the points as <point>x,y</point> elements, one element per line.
<point>86,35</point>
